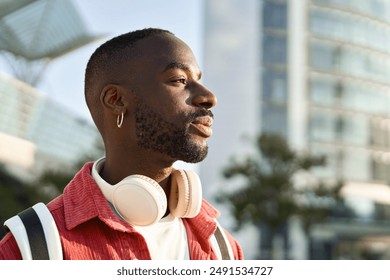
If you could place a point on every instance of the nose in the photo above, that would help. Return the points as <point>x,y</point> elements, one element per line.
<point>203,97</point>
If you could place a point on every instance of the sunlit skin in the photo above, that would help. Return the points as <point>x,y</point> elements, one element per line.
<point>166,110</point>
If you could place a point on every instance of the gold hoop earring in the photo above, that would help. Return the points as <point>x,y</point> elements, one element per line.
<point>119,120</point>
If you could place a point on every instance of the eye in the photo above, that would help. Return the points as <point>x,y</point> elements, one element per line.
<point>181,80</point>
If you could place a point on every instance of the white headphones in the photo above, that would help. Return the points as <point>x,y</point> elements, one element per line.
<point>141,201</point>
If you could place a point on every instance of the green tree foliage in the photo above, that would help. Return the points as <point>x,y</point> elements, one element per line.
<point>270,194</point>
<point>15,196</point>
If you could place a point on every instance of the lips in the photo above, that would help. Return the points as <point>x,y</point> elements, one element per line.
<point>202,125</point>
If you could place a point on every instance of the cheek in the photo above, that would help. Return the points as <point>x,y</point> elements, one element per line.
<point>172,106</point>
<point>168,102</point>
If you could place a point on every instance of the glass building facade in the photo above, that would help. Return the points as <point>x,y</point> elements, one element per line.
<point>344,104</point>
<point>274,67</point>
<point>347,88</point>
<point>60,137</point>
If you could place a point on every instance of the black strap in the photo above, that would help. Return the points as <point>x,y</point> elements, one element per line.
<point>222,244</point>
<point>35,234</point>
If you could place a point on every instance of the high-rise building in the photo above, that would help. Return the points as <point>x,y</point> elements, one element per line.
<point>316,72</point>
<point>37,133</point>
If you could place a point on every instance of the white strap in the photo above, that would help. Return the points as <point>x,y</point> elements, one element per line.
<point>53,241</point>
<point>215,246</point>
<point>51,232</point>
<point>16,226</point>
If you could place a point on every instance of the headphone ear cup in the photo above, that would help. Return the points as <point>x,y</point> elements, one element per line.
<point>185,199</point>
<point>139,200</point>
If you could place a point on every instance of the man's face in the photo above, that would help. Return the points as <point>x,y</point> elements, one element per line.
<point>172,115</point>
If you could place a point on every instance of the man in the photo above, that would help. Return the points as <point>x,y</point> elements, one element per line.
<point>144,93</point>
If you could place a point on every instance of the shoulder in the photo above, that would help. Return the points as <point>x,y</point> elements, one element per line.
<point>237,250</point>
<point>9,250</point>
<point>213,213</point>
<point>56,208</point>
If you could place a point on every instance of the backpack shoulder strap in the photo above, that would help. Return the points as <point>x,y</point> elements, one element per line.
<point>221,244</point>
<point>36,233</point>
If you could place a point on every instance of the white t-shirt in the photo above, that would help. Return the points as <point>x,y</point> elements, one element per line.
<point>166,239</point>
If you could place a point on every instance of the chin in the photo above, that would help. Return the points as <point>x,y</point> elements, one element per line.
<point>195,156</point>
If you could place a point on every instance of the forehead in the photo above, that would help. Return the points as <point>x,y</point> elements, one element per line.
<point>160,51</point>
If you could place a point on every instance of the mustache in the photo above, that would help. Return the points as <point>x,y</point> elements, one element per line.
<point>200,113</point>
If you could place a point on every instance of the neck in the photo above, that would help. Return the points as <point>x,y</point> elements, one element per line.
<point>116,168</point>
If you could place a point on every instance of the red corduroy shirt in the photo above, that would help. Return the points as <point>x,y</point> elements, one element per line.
<point>90,230</point>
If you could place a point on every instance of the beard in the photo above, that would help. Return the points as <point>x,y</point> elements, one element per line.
<point>154,133</point>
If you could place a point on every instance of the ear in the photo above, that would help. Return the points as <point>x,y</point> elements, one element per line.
<point>113,98</point>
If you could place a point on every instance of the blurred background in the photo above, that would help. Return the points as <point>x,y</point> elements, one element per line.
<point>299,161</point>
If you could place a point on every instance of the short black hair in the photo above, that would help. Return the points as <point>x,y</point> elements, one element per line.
<point>107,56</point>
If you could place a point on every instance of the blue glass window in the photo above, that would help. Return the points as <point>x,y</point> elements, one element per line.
<point>275,15</point>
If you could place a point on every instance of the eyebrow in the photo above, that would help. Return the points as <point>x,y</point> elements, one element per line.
<point>182,66</point>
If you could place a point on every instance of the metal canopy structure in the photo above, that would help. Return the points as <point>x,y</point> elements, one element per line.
<point>34,32</point>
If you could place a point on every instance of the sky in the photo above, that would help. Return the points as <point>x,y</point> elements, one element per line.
<point>63,79</point>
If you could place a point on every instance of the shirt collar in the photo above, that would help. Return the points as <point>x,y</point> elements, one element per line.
<point>83,201</point>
